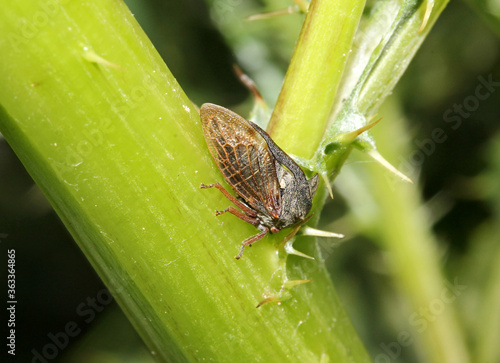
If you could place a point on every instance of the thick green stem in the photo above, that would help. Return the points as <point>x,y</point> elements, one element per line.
<point>104,129</point>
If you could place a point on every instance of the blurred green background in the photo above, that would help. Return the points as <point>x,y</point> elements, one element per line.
<point>459,179</point>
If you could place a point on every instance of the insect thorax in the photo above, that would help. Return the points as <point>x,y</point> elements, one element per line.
<point>296,198</point>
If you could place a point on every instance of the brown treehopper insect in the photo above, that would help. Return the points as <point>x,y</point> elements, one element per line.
<point>273,191</point>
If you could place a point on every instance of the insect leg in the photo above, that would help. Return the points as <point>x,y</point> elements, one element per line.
<point>240,215</point>
<point>251,240</point>
<point>250,84</point>
<point>228,195</point>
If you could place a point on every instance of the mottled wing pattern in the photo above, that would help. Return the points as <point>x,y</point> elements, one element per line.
<point>243,157</point>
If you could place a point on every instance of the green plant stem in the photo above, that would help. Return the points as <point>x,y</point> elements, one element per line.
<point>386,42</point>
<point>106,132</point>
<point>487,328</point>
<point>392,214</point>
<point>396,51</point>
<point>301,113</point>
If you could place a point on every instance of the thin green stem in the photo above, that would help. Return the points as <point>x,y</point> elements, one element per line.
<point>301,113</point>
<point>392,214</point>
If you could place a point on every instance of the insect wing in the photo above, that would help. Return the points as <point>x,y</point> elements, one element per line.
<point>298,193</point>
<point>243,157</point>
